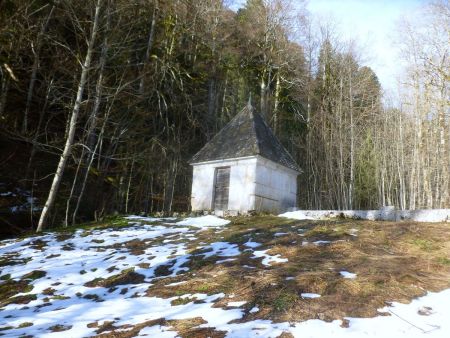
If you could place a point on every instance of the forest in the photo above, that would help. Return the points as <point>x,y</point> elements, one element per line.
<point>103,102</point>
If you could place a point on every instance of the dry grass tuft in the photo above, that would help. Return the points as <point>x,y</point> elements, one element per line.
<point>125,277</point>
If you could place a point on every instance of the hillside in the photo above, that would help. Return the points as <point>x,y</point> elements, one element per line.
<point>248,277</point>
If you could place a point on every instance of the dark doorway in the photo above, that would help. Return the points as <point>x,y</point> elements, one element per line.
<point>221,188</point>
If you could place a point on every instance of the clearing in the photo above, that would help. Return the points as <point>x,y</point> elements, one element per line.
<point>260,276</point>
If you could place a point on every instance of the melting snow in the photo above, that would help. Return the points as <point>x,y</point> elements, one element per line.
<point>8,193</point>
<point>299,214</point>
<point>223,249</point>
<point>251,244</point>
<point>254,309</point>
<point>204,221</point>
<point>310,295</point>
<point>248,267</point>
<point>279,234</point>
<point>87,255</point>
<point>237,304</point>
<point>353,232</point>
<point>147,219</point>
<point>347,274</point>
<point>405,321</point>
<point>157,331</point>
<point>225,260</point>
<point>267,259</point>
<point>321,242</point>
<point>177,283</point>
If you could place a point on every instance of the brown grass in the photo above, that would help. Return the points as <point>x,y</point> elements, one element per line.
<point>127,276</point>
<point>393,262</point>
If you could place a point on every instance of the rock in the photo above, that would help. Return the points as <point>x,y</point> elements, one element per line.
<point>425,311</point>
<point>345,323</point>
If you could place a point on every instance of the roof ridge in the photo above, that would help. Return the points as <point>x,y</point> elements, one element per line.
<point>252,113</point>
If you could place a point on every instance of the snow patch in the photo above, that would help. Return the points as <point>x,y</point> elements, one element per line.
<point>279,234</point>
<point>268,259</point>
<point>177,283</point>
<point>254,309</point>
<point>321,242</point>
<point>147,219</point>
<point>223,249</point>
<point>251,244</point>
<point>237,304</point>
<point>353,232</point>
<point>299,214</point>
<point>157,331</point>
<point>204,221</point>
<point>347,274</point>
<point>309,295</point>
<point>225,260</point>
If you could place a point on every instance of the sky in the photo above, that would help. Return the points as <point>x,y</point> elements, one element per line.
<point>373,24</point>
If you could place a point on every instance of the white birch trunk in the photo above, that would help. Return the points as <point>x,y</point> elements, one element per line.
<point>72,125</point>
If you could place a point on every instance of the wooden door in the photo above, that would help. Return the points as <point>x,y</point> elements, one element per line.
<point>221,188</point>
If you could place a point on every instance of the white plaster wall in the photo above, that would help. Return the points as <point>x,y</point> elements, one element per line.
<point>242,186</point>
<point>275,187</point>
<point>202,187</point>
<point>242,177</point>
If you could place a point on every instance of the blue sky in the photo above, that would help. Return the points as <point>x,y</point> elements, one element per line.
<point>373,24</point>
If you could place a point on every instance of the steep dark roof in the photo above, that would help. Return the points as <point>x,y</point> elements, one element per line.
<point>247,134</point>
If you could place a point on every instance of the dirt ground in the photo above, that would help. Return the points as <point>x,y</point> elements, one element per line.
<point>393,261</point>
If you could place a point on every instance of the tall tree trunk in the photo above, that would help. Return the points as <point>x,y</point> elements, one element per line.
<point>72,125</point>
<point>92,145</point>
<point>35,68</point>
<point>3,91</point>
<point>38,130</point>
<point>149,48</point>
<point>211,120</point>
<point>170,185</point>
<point>352,150</point>
<point>127,194</point>
<point>90,161</point>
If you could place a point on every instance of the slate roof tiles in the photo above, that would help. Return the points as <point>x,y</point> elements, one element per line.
<point>247,134</point>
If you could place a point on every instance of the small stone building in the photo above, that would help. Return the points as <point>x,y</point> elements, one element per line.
<point>244,168</point>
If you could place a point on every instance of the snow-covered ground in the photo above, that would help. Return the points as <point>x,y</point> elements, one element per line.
<point>65,298</point>
<point>18,200</point>
<point>384,214</point>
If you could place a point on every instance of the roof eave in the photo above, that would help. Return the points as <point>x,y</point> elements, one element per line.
<point>229,159</point>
